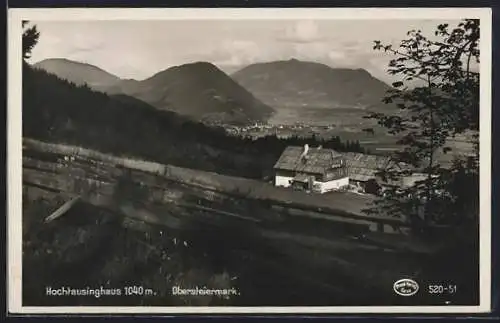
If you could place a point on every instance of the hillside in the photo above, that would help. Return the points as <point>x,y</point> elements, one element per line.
<point>78,73</point>
<point>300,83</point>
<point>58,111</point>
<point>198,90</point>
<point>119,197</point>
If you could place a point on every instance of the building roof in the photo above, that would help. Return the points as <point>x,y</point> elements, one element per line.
<point>362,167</point>
<point>317,161</point>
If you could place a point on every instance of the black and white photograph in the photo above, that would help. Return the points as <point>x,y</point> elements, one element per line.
<point>249,160</point>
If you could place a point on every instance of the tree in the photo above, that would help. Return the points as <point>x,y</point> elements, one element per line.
<point>30,39</point>
<point>437,97</point>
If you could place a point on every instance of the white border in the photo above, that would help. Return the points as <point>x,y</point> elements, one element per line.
<point>14,156</point>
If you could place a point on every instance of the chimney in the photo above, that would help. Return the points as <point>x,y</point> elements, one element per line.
<point>304,152</point>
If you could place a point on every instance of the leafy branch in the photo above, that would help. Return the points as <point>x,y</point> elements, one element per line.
<point>437,97</point>
<point>30,38</point>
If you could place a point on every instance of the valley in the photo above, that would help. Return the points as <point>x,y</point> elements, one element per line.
<point>282,98</point>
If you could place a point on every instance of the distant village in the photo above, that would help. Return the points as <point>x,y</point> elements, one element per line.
<point>280,130</point>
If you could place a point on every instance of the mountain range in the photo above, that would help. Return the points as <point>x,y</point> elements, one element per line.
<point>294,83</point>
<point>58,111</point>
<point>198,90</point>
<point>252,94</point>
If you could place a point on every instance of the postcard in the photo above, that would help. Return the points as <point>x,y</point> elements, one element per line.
<point>266,161</point>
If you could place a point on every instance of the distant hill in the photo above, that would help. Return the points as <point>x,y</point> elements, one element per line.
<point>197,90</point>
<point>294,83</point>
<point>78,73</point>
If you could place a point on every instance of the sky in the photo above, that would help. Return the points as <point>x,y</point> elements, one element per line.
<point>138,49</point>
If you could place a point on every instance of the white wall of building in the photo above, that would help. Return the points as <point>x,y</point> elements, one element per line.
<point>333,185</point>
<point>283,181</point>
